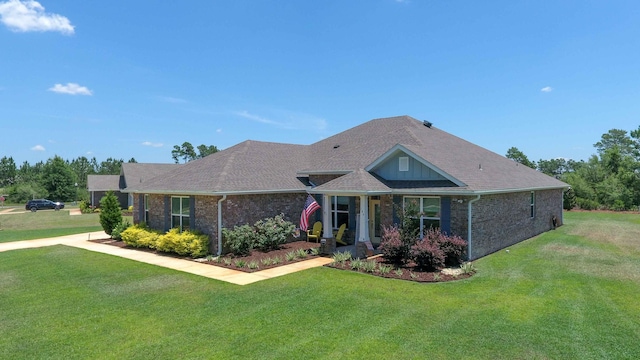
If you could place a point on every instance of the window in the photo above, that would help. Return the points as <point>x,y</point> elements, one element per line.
<point>339,211</point>
<point>424,212</point>
<point>533,204</point>
<point>403,163</point>
<point>146,208</point>
<point>180,213</point>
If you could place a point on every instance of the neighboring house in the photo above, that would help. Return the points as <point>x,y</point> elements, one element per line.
<point>363,177</point>
<point>99,185</point>
<point>130,173</point>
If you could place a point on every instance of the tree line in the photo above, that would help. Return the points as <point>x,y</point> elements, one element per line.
<point>609,179</point>
<point>56,179</point>
<point>66,180</point>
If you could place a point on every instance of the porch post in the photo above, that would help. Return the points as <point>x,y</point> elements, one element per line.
<point>364,218</point>
<point>327,228</point>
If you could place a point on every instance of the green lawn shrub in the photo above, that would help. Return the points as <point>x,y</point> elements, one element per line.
<point>85,208</point>
<point>140,236</point>
<point>587,204</point>
<point>110,216</point>
<point>187,243</point>
<point>118,229</point>
<point>271,233</point>
<point>265,235</point>
<point>239,240</point>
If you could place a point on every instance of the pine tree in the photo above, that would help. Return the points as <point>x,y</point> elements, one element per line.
<point>110,214</point>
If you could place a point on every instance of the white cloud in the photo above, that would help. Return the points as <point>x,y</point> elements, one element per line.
<point>149,143</point>
<point>219,131</point>
<point>292,121</point>
<point>547,89</point>
<point>38,148</point>
<point>172,100</point>
<point>29,15</point>
<point>70,88</point>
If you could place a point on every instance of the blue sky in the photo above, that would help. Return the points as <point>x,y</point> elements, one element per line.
<point>129,79</point>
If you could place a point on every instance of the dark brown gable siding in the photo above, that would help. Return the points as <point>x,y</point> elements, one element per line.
<point>322,179</point>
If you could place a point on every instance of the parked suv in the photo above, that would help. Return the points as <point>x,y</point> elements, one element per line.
<point>39,204</point>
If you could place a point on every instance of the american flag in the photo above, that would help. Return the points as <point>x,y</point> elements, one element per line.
<point>310,206</point>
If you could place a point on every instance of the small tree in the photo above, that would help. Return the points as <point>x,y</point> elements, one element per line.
<point>110,214</point>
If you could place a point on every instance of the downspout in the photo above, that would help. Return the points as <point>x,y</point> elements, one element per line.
<point>224,197</point>
<point>469,225</point>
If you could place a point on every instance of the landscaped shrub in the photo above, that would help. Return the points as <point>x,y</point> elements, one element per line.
<point>85,208</point>
<point>110,216</point>
<point>266,235</point>
<point>453,247</point>
<point>118,229</point>
<point>271,233</point>
<point>186,243</point>
<point>427,254</point>
<point>239,240</point>
<point>140,236</point>
<point>392,246</point>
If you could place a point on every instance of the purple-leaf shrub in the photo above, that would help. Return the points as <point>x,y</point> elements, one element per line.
<point>426,253</point>
<point>392,247</point>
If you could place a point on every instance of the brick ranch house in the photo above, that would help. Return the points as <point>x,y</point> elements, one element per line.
<point>130,173</point>
<point>362,177</point>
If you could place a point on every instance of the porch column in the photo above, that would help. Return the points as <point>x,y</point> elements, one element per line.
<point>364,218</point>
<point>327,228</point>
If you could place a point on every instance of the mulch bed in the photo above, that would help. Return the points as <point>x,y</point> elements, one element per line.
<point>409,272</point>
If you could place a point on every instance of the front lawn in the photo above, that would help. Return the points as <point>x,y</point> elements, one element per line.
<point>45,224</point>
<point>570,293</point>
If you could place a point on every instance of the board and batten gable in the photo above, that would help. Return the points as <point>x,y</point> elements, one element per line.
<point>402,166</point>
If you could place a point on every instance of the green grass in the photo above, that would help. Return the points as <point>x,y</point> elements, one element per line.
<point>565,294</point>
<point>46,223</point>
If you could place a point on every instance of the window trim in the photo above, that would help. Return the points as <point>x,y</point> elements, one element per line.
<point>146,208</point>
<point>403,164</point>
<point>334,211</point>
<point>533,204</point>
<point>182,213</point>
<point>421,216</point>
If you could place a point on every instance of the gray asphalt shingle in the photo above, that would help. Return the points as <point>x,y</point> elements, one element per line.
<point>258,167</point>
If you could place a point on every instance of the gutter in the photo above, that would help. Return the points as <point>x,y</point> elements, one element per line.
<point>224,197</point>
<point>469,225</point>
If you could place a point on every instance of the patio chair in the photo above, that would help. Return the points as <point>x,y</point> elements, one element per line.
<point>315,232</point>
<point>340,234</point>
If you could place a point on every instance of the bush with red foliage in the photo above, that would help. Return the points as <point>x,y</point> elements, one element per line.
<point>427,254</point>
<point>392,246</point>
<point>453,247</point>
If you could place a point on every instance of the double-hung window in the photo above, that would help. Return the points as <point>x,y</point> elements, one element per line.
<point>424,212</point>
<point>146,208</point>
<point>180,213</point>
<point>339,211</point>
<point>533,204</point>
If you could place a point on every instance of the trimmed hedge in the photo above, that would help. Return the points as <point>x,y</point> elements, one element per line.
<point>187,243</point>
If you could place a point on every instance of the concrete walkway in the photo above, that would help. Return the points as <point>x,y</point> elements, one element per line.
<point>189,266</point>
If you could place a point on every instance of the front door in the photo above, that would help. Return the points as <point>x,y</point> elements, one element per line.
<point>374,222</point>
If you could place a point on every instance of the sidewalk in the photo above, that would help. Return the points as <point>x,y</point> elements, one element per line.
<point>192,267</point>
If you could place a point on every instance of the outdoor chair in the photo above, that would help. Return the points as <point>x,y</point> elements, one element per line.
<point>340,234</point>
<point>315,232</point>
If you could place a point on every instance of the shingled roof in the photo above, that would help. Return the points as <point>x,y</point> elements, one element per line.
<point>103,182</point>
<point>262,167</point>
